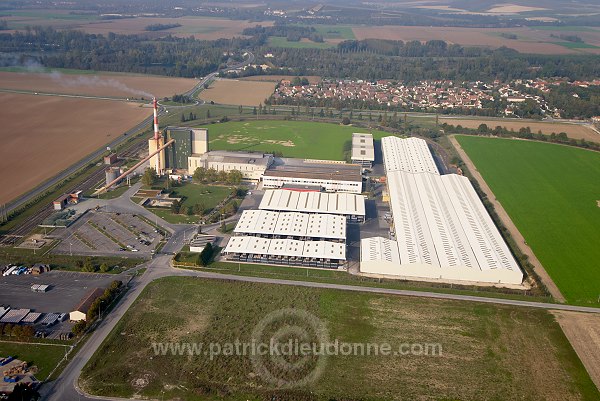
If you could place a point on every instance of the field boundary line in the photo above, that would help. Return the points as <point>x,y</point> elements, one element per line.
<point>512,228</point>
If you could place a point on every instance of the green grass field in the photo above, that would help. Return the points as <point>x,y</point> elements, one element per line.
<point>335,31</point>
<point>45,357</point>
<point>293,138</point>
<point>576,45</point>
<point>209,195</point>
<point>277,41</point>
<point>488,352</point>
<point>551,194</point>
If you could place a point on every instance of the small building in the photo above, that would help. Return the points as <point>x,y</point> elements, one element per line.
<point>363,151</point>
<point>110,159</point>
<point>81,310</point>
<point>40,268</point>
<point>61,202</point>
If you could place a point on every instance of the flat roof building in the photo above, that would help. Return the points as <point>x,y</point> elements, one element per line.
<point>442,229</point>
<point>252,165</point>
<point>293,225</point>
<point>351,206</point>
<point>363,151</point>
<point>285,251</point>
<point>331,177</point>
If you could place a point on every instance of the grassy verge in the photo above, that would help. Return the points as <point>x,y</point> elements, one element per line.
<point>344,278</point>
<point>488,352</point>
<point>45,357</point>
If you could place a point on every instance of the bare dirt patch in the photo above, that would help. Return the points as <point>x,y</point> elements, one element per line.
<point>43,135</point>
<point>583,332</point>
<point>512,9</point>
<point>577,131</point>
<point>238,92</point>
<point>105,84</point>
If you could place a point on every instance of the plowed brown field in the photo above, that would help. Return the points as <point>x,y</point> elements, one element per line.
<point>42,135</point>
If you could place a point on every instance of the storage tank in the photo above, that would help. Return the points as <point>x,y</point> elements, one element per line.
<point>111,174</point>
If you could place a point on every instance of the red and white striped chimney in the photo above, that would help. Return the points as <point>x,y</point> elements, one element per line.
<point>156,133</point>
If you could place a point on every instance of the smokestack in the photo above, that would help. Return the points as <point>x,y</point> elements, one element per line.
<point>156,133</point>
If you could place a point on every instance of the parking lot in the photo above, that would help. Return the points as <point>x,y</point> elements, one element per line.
<point>65,291</point>
<point>112,234</point>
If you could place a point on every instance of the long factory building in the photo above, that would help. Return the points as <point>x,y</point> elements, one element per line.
<point>442,230</point>
<point>352,206</point>
<point>289,238</point>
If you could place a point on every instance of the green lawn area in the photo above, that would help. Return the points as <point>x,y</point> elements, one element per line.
<point>45,357</point>
<point>488,352</point>
<point>576,45</point>
<point>293,138</point>
<point>335,31</point>
<point>209,195</point>
<point>277,41</point>
<point>551,193</point>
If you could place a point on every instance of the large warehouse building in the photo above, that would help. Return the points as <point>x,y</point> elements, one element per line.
<point>442,230</point>
<point>351,206</point>
<point>326,176</point>
<point>288,238</point>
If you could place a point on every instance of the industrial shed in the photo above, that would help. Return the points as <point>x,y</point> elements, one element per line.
<point>80,311</point>
<point>284,251</point>
<point>351,206</point>
<point>442,229</point>
<point>292,225</point>
<point>331,177</point>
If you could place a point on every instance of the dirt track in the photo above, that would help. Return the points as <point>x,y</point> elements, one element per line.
<point>43,135</point>
<point>583,332</point>
<point>519,239</point>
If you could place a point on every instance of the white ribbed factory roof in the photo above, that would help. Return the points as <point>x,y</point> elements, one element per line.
<point>440,221</point>
<point>313,202</point>
<point>292,224</point>
<point>379,248</point>
<point>410,154</point>
<point>442,229</point>
<point>286,247</point>
<point>362,147</point>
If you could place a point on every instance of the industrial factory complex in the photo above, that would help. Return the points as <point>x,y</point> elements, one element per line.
<point>438,226</point>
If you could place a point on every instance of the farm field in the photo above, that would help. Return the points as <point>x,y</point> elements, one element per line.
<point>577,131</point>
<point>488,352</point>
<point>550,193</point>
<point>200,27</point>
<point>292,138</point>
<point>237,92</point>
<point>45,357</point>
<point>529,39</point>
<point>101,84</point>
<point>43,135</point>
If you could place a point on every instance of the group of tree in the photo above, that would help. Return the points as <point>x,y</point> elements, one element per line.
<point>190,117</point>
<point>89,266</point>
<point>178,207</point>
<point>17,331</point>
<point>160,27</point>
<point>206,255</point>
<point>210,175</point>
<point>523,133</point>
<point>149,178</point>
<point>98,306</point>
<point>184,99</point>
